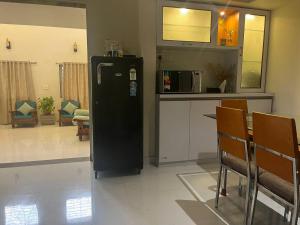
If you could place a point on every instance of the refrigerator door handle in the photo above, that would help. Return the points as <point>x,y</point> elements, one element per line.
<point>99,70</point>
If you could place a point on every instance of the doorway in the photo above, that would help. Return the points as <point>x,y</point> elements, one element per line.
<point>44,62</point>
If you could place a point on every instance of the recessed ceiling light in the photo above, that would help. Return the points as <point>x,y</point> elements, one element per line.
<point>222,13</point>
<point>184,10</point>
<point>250,17</point>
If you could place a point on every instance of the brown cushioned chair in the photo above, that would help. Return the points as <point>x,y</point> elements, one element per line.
<point>233,148</point>
<point>235,104</point>
<point>18,118</point>
<point>276,152</point>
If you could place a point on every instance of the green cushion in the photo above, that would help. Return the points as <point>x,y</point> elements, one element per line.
<point>25,108</point>
<point>70,108</point>
<point>29,116</point>
<point>65,102</point>
<point>67,115</point>
<point>29,102</point>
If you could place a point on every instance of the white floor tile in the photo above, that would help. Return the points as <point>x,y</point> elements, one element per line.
<point>41,143</point>
<point>59,194</point>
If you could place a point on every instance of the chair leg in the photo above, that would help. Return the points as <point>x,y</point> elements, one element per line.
<point>240,186</point>
<point>218,187</point>
<point>285,215</point>
<point>252,210</point>
<point>291,219</point>
<point>247,199</point>
<point>224,191</point>
<point>294,217</point>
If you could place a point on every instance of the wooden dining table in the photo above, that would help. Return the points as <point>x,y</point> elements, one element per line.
<point>250,122</point>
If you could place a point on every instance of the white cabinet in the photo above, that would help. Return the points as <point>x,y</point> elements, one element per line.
<point>174,131</point>
<point>260,105</point>
<point>203,130</point>
<point>186,134</point>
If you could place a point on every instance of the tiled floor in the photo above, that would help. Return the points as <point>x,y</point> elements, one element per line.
<point>69,194</point>
<point>231,208</point>
<point>40,143</point>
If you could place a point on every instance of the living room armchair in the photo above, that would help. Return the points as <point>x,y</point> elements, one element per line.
<point>25,113</point>
<point>66,113</point>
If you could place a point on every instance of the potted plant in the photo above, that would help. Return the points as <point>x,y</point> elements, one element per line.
<point>46,106</point>
<point>224,75</point>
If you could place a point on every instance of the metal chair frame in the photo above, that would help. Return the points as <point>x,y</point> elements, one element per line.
<point>225,168</point>
<point>257,186</point>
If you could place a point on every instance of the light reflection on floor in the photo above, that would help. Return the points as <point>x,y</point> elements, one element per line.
<point>21,215</point>
<point>79,209</point>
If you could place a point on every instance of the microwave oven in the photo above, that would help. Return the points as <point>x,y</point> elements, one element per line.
<point>179,81</point>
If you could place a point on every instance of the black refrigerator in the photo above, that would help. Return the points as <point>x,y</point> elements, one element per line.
<point>117,113</point>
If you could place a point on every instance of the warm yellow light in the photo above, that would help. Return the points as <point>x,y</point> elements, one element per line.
<point>184,11</point>
<point>222,13</point>
<point>250,17</point>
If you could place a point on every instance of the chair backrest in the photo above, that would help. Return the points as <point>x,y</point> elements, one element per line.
<point>19,103</point>
<point>276,144</point>
<point>232,130</point>
<point>235,104</point>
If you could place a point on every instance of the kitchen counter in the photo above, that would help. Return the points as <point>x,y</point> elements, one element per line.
<point>207,96</point>
<point>183,132</point>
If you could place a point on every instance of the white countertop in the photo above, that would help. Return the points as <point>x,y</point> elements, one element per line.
<point>216,96</point>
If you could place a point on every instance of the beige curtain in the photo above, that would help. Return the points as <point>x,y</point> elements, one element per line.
<point>75,83</point>
<point>16,83</point>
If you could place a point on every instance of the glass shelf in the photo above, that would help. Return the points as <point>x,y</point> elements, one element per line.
<point>253,51</point>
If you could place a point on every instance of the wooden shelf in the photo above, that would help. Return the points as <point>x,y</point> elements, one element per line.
<point>228,28</point>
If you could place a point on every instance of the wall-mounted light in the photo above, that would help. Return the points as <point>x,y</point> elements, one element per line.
<point>75,47</point>
<point>184,11</point>
<point>8,44</point>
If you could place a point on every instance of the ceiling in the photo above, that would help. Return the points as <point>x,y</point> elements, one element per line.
<point>260,4</point>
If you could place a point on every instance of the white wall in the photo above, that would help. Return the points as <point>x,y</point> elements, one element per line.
<point>115,20</point>
<point>283,75</point>
<point>42,15</point>
<point>46,46</point>
<point>147,42</point>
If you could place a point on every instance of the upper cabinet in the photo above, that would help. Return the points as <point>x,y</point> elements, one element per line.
<point>182,24</point>
<point>188,25</point>
<point>228,27</point>
<point>254,52</point>
<point>246,31</point>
